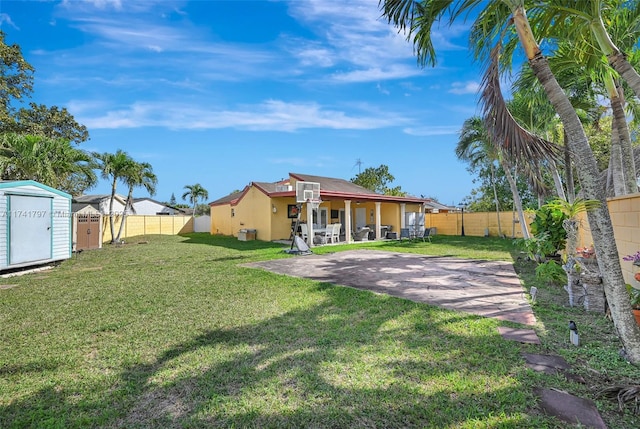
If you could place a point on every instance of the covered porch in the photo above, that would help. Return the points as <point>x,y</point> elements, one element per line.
<point>361,219</point>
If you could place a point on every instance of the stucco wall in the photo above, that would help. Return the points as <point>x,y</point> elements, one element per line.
<point>221,220</point>
<point>625,217</point>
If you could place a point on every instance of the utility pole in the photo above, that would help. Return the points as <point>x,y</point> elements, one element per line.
<point>359,164</point>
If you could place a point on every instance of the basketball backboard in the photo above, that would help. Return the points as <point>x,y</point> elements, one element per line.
<point>307,191</point>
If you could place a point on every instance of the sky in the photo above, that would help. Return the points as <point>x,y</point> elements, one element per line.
<point>223,93</point>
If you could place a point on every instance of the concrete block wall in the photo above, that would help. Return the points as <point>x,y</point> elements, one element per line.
<point>147,225</point>
<point>477,224</point>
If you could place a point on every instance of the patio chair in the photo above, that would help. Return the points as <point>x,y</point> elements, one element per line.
<point>304,231</point>
<point>426,235</point>
<point>335,234</point>
<point>325,235</point>
<point>362,235</point>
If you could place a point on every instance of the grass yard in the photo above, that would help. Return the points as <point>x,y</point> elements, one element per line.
<point>175,333</point>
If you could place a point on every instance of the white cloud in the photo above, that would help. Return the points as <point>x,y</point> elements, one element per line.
<point>382,90</point>
<point>469,87</point>
<point>6,19</point>
<point>272,115</point>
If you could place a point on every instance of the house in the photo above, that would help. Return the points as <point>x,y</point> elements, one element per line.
<point>100,203</point>
<point>36,228</point>
<point>272,208</point>
<point>147,206</point>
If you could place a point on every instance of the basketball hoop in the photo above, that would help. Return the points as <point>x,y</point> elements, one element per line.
<point>314,204</point>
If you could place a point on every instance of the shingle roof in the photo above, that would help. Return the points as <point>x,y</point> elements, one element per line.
<point>332,184</point>
<point>330,187</point>
<point>229,198</point>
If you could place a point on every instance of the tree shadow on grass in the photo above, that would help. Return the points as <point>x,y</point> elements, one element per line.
<point>355,359</point>
<point>229,242</point>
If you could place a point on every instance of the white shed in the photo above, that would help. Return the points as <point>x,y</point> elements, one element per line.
<point>36,228</point>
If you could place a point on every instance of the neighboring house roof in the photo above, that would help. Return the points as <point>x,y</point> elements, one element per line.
<point>76,207</point>
<point>97,198</point>
<point>434,205</point>
<point>232,198</point>
<point>330,188</point>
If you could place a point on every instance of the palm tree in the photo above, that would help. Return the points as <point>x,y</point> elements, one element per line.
<point>585,20</point>
<point>53,162</point>
<point>475,147</point>
<point>416,19</point>
<point>113,167</point>
<point>194,194</point>
<point>137,175</point>
<point>582,55</point>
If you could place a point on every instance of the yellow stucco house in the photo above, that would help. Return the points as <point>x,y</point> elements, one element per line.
<point>271,209</point>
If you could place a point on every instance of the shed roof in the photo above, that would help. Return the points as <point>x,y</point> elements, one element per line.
<point>20,183</point>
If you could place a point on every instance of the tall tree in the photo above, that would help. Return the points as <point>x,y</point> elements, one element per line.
<point>378,180</point>
<point>16,81</point>
<point>136,175</point>
<point>52,122</point>
<point>495,17</point>
<point>193,194</point>
<point>113,167</point>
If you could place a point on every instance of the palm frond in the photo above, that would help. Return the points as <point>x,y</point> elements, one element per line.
<point>503,129</point>
<point>629,394</point>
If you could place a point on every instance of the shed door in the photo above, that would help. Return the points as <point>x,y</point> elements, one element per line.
<point>30,229</point>
<point>88,231</point>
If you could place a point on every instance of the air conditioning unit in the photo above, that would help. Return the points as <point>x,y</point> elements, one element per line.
<point>284,188</point>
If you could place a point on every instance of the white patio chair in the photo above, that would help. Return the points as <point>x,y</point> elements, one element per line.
<point>335,234</point>
<point>304,231</point>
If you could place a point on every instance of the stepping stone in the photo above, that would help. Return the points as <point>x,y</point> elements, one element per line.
<point>570,408</point>
<point>548,364</point>
<point>521,335</point>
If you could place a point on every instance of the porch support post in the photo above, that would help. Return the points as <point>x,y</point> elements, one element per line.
<point>403,208</point>
<point>378,237</point>
<point>347,221</point>
<point>309,224</point>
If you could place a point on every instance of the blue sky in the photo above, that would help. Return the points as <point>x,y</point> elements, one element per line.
<point>223,93</point>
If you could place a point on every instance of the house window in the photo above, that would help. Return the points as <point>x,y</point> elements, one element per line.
<point>233,212</point>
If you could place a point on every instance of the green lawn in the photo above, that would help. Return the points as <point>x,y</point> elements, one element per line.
<point>174,333</point>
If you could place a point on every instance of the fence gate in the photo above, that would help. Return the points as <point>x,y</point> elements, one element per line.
<point>88,231</point>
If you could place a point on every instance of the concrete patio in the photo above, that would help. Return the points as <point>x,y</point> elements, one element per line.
<point>484,288</point>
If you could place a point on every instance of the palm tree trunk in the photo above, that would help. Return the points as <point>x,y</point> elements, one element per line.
<point>608,262</point>
<point>495,198</point>
<point>620,64</point>
<point>628,166</point>
<point>615,165</point>
<point>568,171</point>
<point>616,59</point>
<point>517,201</point>
<point>557,181</point>
<point>111,220</point>
<point>127,205</point>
